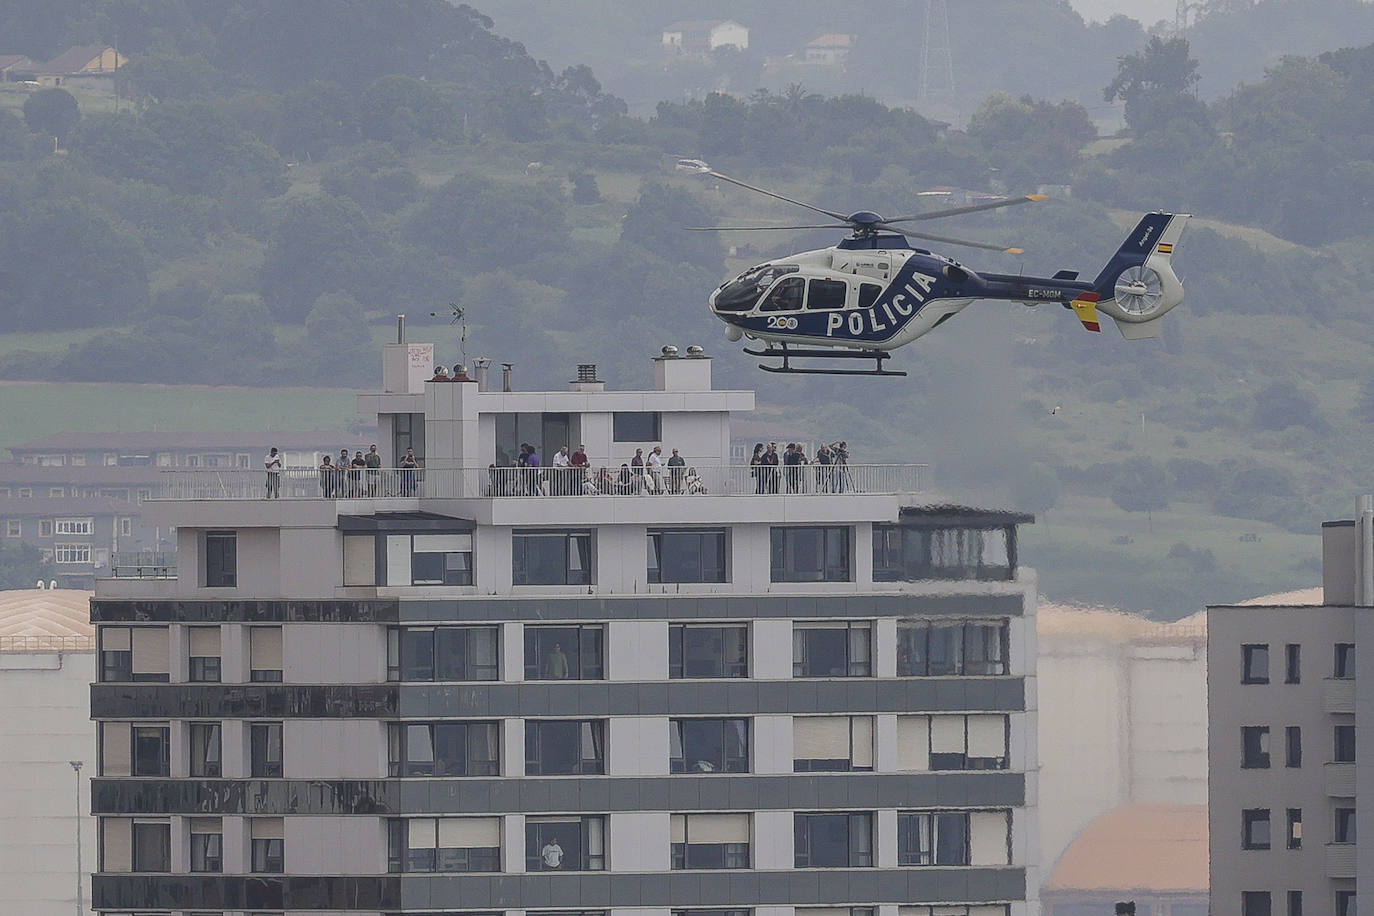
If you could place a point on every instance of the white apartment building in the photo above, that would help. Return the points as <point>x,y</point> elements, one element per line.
<point>1286,708</point>
<point>468,688</point>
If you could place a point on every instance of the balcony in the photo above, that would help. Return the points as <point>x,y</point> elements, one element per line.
<point>144,564</point>
<point>455,482</point>
<point>1338,695</point>
<point>1340,780</point>
<point>1340,860</point>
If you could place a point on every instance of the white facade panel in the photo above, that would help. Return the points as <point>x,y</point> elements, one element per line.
<point>637,650</point>
<point>638,746</point>
<point>639,841</point>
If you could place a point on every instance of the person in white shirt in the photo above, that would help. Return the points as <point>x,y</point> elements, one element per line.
<point>273,464</point>
<point>655,467</point>
<point>562,473</point>
<point>552,854</point>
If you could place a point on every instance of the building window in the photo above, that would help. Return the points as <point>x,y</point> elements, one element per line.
<point>116,749</point>
<point>1254,744</point>
<point>833,840</point>
<point>565,843</point>
<point>687,556</point>
<point>933,838</point>
<point>444,749</point>
<point>58,493</point>
<point>71,553</point>
<point>1295,828</point>
<point>705,650</point>
<point>221,559</point>
<point>1254,828</point>
<point>642,426</point>
<point>551,558</point>
<point>1345,825</point>
<point>1292,736</point>
<point>832,744</point>
<point>901,911</point>
<point>126,527</point>
<point>445,844</point>
<point>27,493</point>
<point>150,659</point>
<point>832,649</point>
<point>14,528</point>
<point>207,844</point>
<point>902,554</point>
<point>268,855</point>
<point>955,648</point>
<point>564,653</point>
<point>73,525</point>
<point>565,747</point>
<point>1344,744</point>
<point>152,847</point>
<point>116,654</point>
<point>811,555</point>
<point>1292,663</point>
<point>1345,660</point>
<point>205,749</point>
<point>1295,903</point>
<point>203,654</point>
<point>264,655</point>
<point>1255,664</point>
<point>1254,903</point>
<point>265,750</point>
<point>1345,903</point>
<point>152,751</point>
<point>952,742</point>
<point>440,559</point>
<point>442,653</point>
<point>712,841</point>
<point>712,913</point>
<point>708,746</point>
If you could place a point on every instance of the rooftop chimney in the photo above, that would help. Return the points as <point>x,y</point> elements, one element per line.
<point>679,373</point>
<point>586,379</point>
<point>480,367</point>
<point>505,375</point>
<point>401,328</point>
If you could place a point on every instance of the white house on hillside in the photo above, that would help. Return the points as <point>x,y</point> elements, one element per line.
<point>701,36</point>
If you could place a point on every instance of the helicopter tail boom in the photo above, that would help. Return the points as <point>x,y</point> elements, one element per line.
<point>1139,285</point>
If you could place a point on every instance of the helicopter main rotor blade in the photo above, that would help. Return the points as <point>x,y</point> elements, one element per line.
<point>974,208</point>
<point>761,228</point>
<point>774,194</point>
<point>952,241</point>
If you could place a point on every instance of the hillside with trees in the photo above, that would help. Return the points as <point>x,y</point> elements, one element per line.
<point>271,183</point>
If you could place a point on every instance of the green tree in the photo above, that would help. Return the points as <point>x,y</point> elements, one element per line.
<point>1282,404</point>
<point>401,111</point>
<point>51,112</point>
<point>16,142</point>
<point>584,190</point>
<point>1154,83</point>
<point>320,245</point>
<point>338,346</point>
<point>1142,486</point>
<point>1035,488</point>
<point>656,222</point>
<point>22,566</point>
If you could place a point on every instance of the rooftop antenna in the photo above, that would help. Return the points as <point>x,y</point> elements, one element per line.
<point>937,61</point>
<point>458,315</point>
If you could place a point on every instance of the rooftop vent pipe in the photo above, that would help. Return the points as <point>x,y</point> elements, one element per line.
<point>401,328</point>
<point>505,375</point>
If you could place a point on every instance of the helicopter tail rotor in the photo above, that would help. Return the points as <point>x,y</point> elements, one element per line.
<point>1138,285</point>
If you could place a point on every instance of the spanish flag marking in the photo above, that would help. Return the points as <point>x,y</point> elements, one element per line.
<point>1165,248</point>
<point>1085,307</point>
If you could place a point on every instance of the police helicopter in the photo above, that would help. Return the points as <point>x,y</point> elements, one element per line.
<point>874,292</point>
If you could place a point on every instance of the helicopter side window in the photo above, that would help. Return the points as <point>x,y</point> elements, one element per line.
<point>786,296</point>
<point>827,294</point>
<point>868,294</point>
<point>743,292</point>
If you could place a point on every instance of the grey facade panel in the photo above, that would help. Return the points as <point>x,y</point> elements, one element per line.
<point>245,892</point>
<point>371,610</point>
<point>801,791</point>
<point>568,698</point>
<point>723,607</point>
<point>802,887</point>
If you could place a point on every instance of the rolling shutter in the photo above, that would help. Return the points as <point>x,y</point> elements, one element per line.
<point>913,742</point>
<point>469,832</point>
<point>863,741</point>
<point>264,649</point>
<point>115,748</point>
<point>988,838</point>
<point>150,650</point>
<point>987,736</point>
<point>204,642</point>
<point>821,737</point>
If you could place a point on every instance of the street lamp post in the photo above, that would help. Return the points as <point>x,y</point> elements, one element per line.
<point>76,768</point>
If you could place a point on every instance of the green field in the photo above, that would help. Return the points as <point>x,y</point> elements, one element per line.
<point>29,410</point>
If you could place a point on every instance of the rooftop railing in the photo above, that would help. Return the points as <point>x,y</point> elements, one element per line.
<point>47,643</point>
<point>452,482</point>
<point>144,564</point>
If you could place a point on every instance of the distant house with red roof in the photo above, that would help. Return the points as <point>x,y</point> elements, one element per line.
<point>16,67</point>
<point>830,49</point>
<point>80,61</point>
<point>702,36</point>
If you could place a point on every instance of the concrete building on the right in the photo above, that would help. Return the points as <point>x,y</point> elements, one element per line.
<point>1285,709</point>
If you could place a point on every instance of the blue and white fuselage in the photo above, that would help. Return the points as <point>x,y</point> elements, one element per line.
<point>877,292</point>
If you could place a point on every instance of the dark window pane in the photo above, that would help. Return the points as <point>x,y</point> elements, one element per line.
<point>1344,744</point>
<point>221,559</point>
<point>628,426</point>
<point>417,655</point>
<point>1345,660</point>
<point>810,555</point>
<point>265,750</point>
<point>152,847</point>
<point>1255,659</point>
<point>563,653</point>
<point>1254,746</point>
<point>152,751</point>
<point>826,294</point>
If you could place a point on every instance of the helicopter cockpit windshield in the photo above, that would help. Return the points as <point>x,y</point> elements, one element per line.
<point>741,293</point>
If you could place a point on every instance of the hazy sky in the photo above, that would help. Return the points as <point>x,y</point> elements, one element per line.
<point>1147,11</point>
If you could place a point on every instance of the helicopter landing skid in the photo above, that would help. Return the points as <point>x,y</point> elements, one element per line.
<point>786,353</point>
